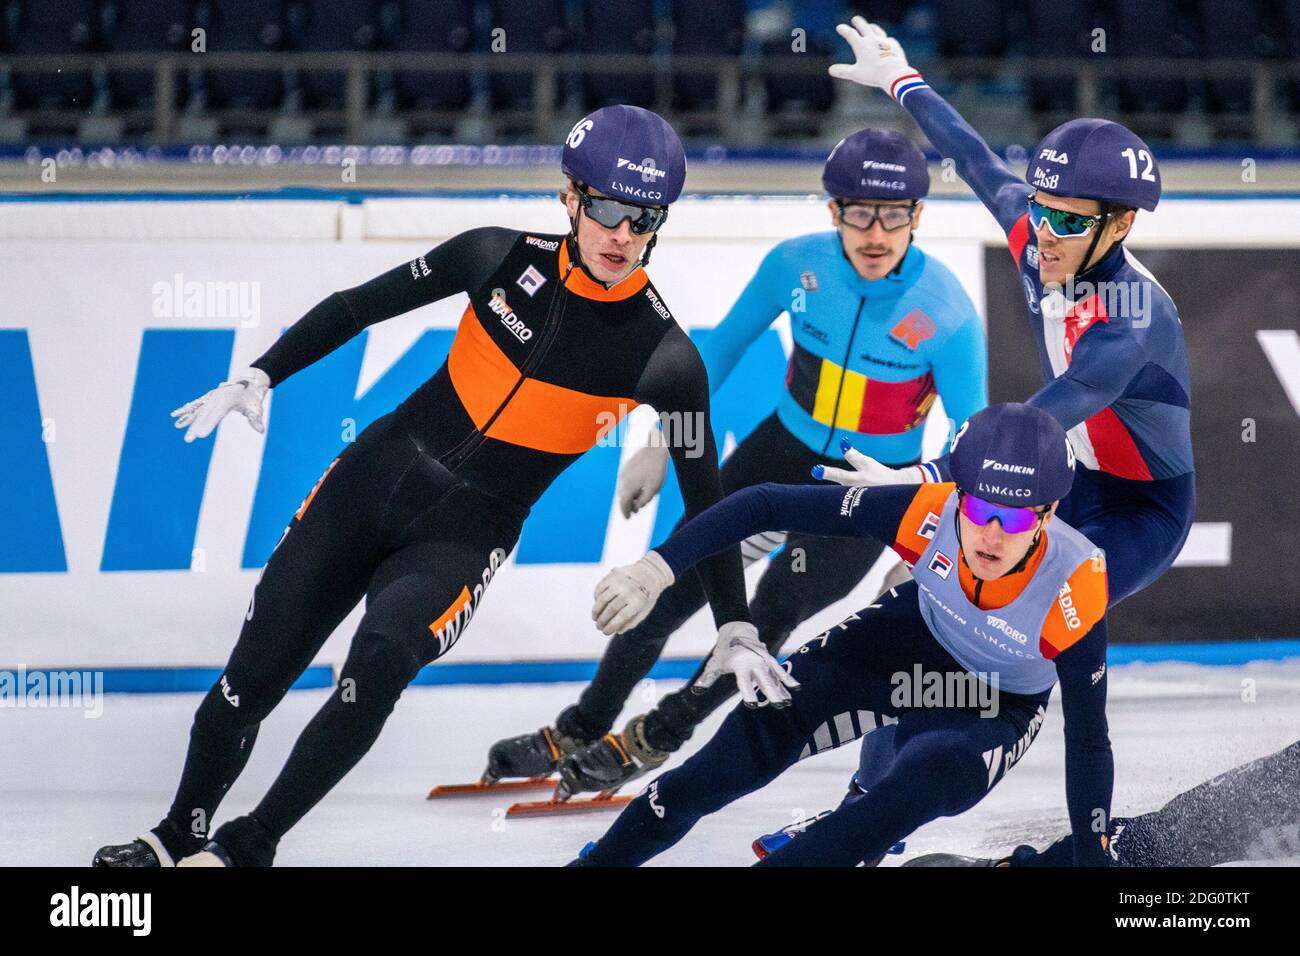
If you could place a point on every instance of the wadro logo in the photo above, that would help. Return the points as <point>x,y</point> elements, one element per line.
<point>38,690</point>
<point>74,908</point>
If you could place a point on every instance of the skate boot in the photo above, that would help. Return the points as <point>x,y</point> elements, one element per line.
<point>241,842</point>
<point>610,762</point>
<point>769,843</point>
<point>160,847</point>
<point>528,755</point>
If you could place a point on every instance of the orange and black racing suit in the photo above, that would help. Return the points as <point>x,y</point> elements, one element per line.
<point>418,514</point>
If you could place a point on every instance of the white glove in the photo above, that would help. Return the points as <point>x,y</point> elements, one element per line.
<point>625,596</point>
<point>880,61</point>
<point>642,479</point>
<point>244,393</point>
<point>740,652</point>
<point>867,472</point>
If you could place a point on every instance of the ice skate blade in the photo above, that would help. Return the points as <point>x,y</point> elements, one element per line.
<point>557,808</point>
<point>481,789</point>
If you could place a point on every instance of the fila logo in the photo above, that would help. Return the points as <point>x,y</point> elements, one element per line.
<point>941,564</point>
<point>809,281</point>
<point>653,793</point>
<point>532,280</point>
<point>1052,156</point>
<point>929,526</point>
<point>231,699</point>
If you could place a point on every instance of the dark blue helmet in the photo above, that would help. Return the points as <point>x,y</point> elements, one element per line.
<point>1013,454</point>
<point>627,153</point>
<point>1096,159</point>
<point>876,164</point>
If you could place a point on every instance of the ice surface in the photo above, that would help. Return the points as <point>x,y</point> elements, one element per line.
<point>69,784</point>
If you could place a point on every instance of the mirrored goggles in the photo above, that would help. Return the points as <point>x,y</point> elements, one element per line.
<point>1013,520</point>
<point>1061,224</point>
<point>862,216</point>
<point>610,213</point>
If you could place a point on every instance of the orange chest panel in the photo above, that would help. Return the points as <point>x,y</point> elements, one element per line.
<point>513,408</point>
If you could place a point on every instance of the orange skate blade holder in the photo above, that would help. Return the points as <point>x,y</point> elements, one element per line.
<point>555,807</point>
<point>484,789</point>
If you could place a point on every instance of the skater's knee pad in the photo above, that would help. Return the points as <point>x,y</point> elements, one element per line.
<point>377,670</point>
<point>940,771</point>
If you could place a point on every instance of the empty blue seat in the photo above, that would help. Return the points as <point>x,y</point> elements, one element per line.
<point>1232,29</point>
<point>145,26</point>
<point>1290,46</point>
<point>620,28</point>
<point>1151,28</point>
<point>810,93</point>
<point>704,29</point>
<point>241,26</point>
<point>536,26</point>
<point>1058,29</point>
<point>328,26</point>
<point>972,27</point>
<point>443,27</point>
<point>54,27</point>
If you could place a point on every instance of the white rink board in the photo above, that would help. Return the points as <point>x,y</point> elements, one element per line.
<point>78,278</point>
<point>85,305</point>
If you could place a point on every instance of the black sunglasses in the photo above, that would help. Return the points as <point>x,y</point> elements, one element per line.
<point>610,213</point>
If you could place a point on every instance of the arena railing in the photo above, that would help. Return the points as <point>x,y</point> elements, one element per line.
<point>1267,79</point>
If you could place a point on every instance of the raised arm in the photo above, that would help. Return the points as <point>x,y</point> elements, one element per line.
<point>880,62</point>
<point>461,264</point>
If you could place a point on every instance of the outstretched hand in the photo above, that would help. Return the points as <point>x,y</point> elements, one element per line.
<point>879,61</point>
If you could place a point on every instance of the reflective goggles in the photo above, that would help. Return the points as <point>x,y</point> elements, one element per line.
<point>863,216</point>
<point>1013,520</point>
<point>610,213</point>
<point>1062,224</point>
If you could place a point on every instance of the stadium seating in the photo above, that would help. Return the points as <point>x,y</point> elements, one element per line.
<point>781,92</point>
